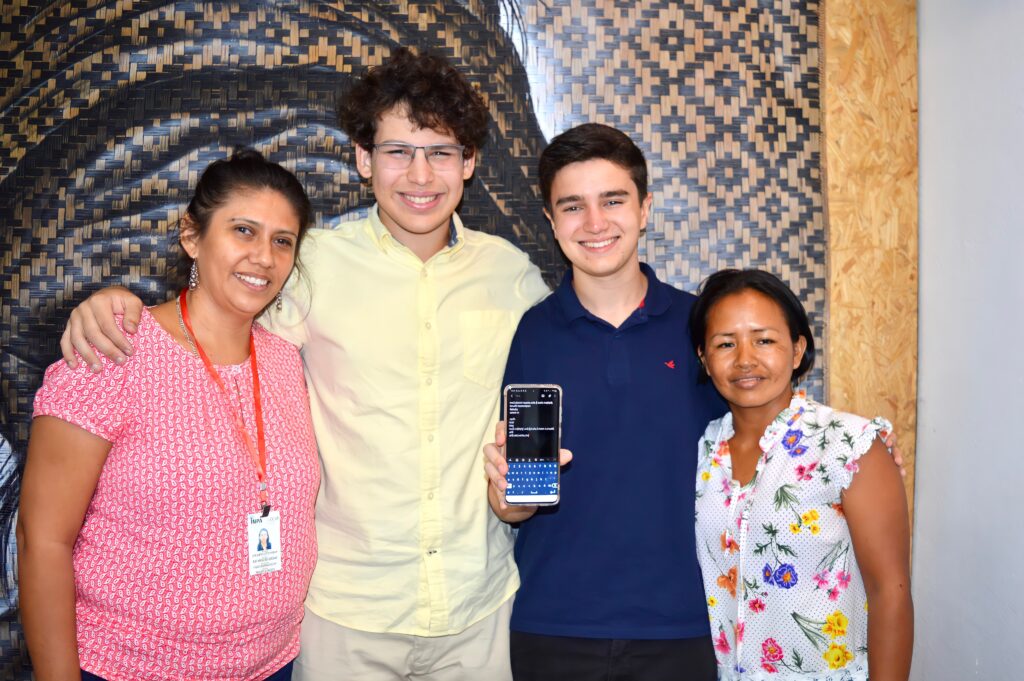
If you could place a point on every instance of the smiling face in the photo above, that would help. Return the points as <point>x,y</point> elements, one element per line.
<point>416,203</point>
<point>245,254</point>
<point>748,352</point>
<point>597,216</point>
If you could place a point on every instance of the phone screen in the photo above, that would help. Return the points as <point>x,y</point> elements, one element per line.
<point>533,416</point>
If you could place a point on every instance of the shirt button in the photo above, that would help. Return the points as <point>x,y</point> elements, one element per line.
<point>430,438</point>
<point>430,381</point>
<point>430,495</point>
<point>423,273</point>
<point>427,325</point>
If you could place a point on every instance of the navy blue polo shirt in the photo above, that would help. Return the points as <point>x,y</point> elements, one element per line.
<point>616,558</point>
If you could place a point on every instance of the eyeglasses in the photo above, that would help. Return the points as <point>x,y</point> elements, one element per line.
<point>399,155</point>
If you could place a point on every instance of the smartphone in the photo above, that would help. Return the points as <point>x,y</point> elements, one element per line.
<point>533,432</point>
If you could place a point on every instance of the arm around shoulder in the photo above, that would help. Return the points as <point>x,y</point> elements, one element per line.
<point>92,325</point>
<point>875,506</point>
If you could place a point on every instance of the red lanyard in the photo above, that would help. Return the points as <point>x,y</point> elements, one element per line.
<point>257,454</point>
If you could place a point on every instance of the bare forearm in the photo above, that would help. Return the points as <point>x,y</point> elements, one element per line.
<point>890,632</point>
<point>47,591</point>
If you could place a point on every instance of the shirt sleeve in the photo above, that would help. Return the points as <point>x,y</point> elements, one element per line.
<point>856,439</point>
<point>289,322</point>
<point>530,284</point>
<point>100,403</point>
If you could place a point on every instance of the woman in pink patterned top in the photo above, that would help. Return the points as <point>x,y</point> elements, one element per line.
<point>148,484</point>
<point>801,513</point>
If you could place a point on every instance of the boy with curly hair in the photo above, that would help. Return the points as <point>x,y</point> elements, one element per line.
<point>404,319</point>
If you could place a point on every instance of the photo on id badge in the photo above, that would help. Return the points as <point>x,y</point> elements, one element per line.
<point>533,431</point>
<point>263,537</point>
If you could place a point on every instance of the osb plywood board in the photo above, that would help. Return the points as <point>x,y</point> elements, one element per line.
<point>870,103</point>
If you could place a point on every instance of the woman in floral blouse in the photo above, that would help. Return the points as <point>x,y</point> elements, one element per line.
<point>801,515</point>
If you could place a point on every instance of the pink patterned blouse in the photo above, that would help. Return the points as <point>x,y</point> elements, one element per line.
<point>161,563</point>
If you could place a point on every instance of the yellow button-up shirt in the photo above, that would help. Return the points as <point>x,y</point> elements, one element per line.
<point>404,361</point>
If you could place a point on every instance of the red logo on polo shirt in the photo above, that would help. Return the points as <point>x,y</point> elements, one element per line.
<point>671,364</point>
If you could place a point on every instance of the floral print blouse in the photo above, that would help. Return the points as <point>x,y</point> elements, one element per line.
<point>784,592</point>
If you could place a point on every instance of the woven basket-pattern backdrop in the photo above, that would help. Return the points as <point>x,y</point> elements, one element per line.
<point>110,109</point>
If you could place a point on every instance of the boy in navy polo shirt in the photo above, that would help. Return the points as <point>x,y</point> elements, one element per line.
<point>611,587</point>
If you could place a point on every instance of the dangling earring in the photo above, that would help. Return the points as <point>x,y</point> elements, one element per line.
<point>193,277</point>
<point>278,304</point>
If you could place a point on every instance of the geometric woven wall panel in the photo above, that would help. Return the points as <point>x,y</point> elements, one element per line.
<point>109,110</point>
<point>724,98</point>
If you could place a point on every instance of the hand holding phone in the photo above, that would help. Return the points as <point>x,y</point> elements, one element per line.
<point>533,417</point>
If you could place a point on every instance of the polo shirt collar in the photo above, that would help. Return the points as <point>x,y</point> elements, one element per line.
<point>382,236</point>
<point>656,302</point>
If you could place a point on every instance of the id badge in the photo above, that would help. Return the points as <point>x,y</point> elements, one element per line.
<point>263,537</point>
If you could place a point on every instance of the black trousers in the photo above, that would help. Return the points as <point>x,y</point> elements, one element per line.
<point>562,658</point>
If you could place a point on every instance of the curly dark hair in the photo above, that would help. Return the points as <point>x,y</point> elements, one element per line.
<point>433,93</point>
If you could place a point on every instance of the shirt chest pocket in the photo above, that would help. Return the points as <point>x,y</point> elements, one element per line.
<point>486,336</point>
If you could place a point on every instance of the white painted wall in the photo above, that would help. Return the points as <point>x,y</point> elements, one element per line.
<point>969,527</point>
